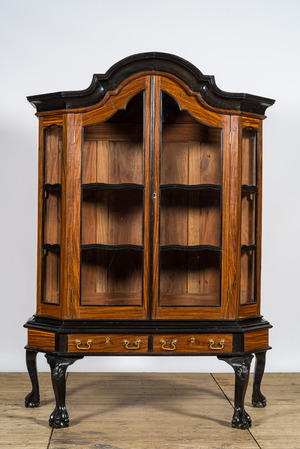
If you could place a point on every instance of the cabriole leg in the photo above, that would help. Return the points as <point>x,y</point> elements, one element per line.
<point>241,366</point>
<point>59,418</point>
<point>258,399</point>
<point>33,398</point>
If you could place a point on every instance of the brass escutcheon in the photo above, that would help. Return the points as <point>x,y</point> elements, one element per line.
<point>88,343</point>
<point>216,348</point>
<point>173,345</point>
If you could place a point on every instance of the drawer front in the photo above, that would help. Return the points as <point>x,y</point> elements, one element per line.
<point>202,343</point>
<point>86,343</point>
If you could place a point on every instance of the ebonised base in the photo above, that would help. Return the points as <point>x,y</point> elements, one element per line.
<point>33,398</point>
<point>241,366</point>
<point>59,418</point>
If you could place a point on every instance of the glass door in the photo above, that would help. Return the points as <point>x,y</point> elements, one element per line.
<point>249,157</point>
<point>189,242</point>
<point>112,211</point>
<point>51,215</point>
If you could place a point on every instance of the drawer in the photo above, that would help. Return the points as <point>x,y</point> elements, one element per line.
<point>86,343</point>
<point>184,343</point>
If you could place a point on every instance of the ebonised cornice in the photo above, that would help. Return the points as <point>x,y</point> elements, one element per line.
<point>154,61</point>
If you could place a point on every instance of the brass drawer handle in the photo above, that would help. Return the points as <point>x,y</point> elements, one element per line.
<point>172,348</point>
<point>88,343</point>
<point>137,344</point>
<point>216,348</point>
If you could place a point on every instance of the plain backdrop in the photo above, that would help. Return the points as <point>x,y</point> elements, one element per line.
<point>49,46</point>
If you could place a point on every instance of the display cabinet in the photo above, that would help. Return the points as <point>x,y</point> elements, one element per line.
<point>149,223</point>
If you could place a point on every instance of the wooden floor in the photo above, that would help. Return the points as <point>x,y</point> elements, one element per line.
<point>149,411</point>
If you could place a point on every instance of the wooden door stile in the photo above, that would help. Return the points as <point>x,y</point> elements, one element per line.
<point>71,198</point>
<point>156,139</point>
<point>232,217</point>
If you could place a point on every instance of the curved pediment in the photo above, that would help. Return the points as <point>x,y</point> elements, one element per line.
<point>154,62</point>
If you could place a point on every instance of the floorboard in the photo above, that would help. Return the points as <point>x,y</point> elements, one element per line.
<point>149,411</point>
<point>277,426</point>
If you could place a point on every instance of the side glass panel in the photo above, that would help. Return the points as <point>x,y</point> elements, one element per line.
<point>112,241</point>
<point>51,230</point>
<point>249,216</point>
<point>190,209</point>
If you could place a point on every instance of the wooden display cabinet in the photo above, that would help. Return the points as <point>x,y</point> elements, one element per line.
<point>149,234</point>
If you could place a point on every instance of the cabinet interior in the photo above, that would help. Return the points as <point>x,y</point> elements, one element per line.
<point>190,209</point>
<point>113,208</point>
<point>51,235</point>
<point>249,154</point>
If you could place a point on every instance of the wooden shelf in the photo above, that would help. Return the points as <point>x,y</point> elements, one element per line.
<point>190,248</point>
<point>111,299</point>
<point>112,217</point>
<point>111,274</point>
<point>190,217</point>
<point>191,187</point>
<point>111,247</point>
<point>189,299</point>
<point>101,185</point>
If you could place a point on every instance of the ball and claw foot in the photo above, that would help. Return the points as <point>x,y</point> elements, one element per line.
<point>241,419</point>
<point>32,400</point>
<point>259,400</point>
<point>59,418</point>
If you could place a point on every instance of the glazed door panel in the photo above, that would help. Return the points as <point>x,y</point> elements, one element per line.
<point>188,205</point>
<point>114,241</point>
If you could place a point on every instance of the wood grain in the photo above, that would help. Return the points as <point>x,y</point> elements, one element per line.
<point>259,218</point>
<point>112,217</point>
<point>53,119</point>
<point>71,198</point>
<point>248,236</point>
<point>114,101</point>
<point>112,162</point>
<point>189,279</point>
<point>41,340</point>
<point>53,155</point>
<point>231,217</point>
<point>52,217</point>
<point>111,277</point>
<point>51,277</point>
<point>109,343</point>
<point>247,293</point>
<point>276,426</point>
<point>188,100</point>
<point>155,141</point>
<point>190,217</point>
<point>193,343</point>
<point>164,404</point>
<point>190,154</point>
<point>40,216</point>
<point>248,157</point>
<point>256,340</point>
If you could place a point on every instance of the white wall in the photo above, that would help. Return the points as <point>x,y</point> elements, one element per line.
<point>49,46</point>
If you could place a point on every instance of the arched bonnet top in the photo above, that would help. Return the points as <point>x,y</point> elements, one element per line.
<point>159,62</point>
